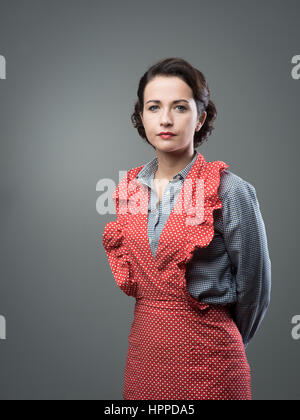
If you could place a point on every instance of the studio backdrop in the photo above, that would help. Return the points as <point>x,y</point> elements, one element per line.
<point>69,73</point>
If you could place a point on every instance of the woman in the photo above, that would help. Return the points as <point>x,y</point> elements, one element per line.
<point>189,244</point>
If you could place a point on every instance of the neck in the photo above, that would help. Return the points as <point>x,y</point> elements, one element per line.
<point>170,163</point>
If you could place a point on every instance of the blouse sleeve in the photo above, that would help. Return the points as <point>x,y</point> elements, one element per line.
<point>246,242</point>
<point>119,258</point>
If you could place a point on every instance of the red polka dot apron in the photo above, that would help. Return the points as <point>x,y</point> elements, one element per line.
<point>179,348</point>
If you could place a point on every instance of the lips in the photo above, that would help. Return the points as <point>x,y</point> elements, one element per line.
<point>166,136</point>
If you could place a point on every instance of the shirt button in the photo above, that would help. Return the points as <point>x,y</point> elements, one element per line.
<point>168,192</point>
<point>150,240</point>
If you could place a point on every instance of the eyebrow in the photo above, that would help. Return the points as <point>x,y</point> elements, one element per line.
<point>174,102</point>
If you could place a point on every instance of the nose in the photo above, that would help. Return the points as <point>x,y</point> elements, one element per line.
<point>165,119</point>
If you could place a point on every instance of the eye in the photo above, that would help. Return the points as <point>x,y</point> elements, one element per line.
<point>183,107</point>
<point>150,108</point>
<point>180,106</point>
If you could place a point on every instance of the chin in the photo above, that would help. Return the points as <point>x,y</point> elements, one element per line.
<point>166,143</point>
<point>166,147</point>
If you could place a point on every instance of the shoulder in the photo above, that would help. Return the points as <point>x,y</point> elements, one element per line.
<point>232,185</point>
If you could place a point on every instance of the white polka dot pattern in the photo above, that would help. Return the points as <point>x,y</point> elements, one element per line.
<point>179,348</point>
<point>235,268</point>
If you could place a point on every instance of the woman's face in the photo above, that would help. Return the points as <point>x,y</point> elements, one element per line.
<point>162,114</point>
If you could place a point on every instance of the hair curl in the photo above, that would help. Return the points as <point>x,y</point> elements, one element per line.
<point>179,67</point>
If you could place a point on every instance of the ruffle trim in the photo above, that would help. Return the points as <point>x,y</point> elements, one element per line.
<point>202,234</point>
<point>113,238</point>
<point>120,259</point>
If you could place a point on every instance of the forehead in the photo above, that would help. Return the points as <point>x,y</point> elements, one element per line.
<point>171,87</point>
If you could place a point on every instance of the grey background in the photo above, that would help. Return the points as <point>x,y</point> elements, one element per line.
<point>72,74</point>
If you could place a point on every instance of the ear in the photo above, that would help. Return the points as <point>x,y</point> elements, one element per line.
<point>203,117</point>
<point>201,121</point>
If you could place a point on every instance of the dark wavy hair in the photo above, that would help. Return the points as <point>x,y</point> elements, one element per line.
<point>174,66</point>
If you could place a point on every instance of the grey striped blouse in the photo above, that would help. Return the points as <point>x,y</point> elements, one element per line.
<point>235,268</point>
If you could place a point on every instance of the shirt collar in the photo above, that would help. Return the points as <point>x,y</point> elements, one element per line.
<point>146,174</point>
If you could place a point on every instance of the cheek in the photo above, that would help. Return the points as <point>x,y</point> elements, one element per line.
<point>188,125</point>
<point>186,118</point>
<point>192,119</point>
<point>149,123</point>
